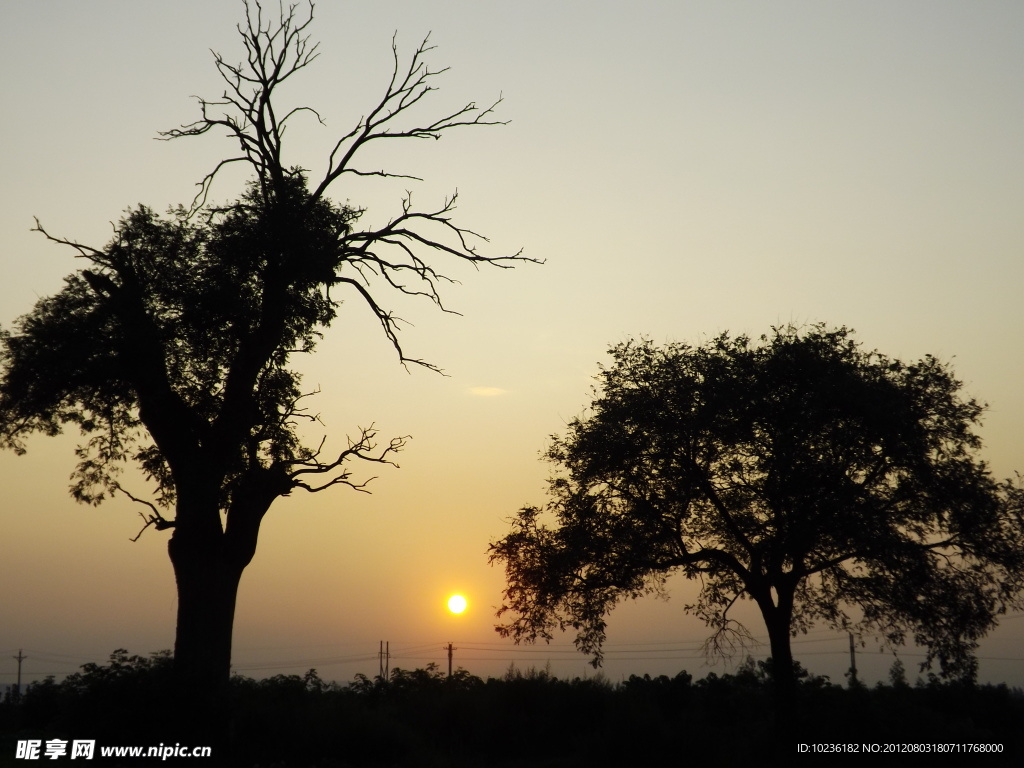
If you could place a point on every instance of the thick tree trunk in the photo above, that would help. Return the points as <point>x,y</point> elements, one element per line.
<point>208,562</point>
<point>207,580</point>
<point>783,672</point>
<point>777,617</point>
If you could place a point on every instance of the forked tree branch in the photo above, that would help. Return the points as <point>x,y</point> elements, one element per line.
<point>403,92</point>
<point>364,449</point>
<point>84,251</point>
<point>156,519</point>
<point>364,254</point>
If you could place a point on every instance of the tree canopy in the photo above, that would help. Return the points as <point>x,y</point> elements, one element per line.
<point>824,482</point>
<point>184,328</point>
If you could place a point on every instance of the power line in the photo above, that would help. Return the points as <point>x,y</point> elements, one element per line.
<point>412,651</point>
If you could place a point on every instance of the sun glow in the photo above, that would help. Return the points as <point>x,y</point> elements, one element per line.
<point>456,603</point>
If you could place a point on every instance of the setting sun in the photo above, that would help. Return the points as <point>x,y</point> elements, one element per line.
<point>456,603</point>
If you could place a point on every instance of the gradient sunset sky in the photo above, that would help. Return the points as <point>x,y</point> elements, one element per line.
<point>684,168</point>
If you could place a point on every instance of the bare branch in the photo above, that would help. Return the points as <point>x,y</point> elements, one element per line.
<point>403,92</point>
<point>364,449</point>
<point>156,519</point>
<point>274,51</point>
<point>729,638</point>
<point>363,254</point>
<point>85,251</point>
<point>277,50</point>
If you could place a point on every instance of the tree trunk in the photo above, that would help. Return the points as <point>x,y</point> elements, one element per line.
<point>783,672</point>
<point>777,617</point>
<point>207,582</point>
<point>207,587</point>
<point>208,562</point>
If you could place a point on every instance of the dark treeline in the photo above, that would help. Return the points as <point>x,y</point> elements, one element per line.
<point>525,718</point>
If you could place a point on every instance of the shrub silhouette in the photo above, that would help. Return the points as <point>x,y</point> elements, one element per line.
<point>528,717</point>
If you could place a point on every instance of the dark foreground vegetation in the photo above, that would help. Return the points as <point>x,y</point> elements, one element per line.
<point>531,718</point>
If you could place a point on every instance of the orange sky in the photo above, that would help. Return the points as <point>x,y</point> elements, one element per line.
<point>684,167</point>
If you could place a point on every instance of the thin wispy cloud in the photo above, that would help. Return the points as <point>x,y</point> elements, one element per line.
<point>487,391</point>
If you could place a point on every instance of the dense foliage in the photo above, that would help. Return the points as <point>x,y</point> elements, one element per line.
<point>183,325</point>
<point>822,481</point>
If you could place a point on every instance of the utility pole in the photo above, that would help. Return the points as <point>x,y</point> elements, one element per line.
<point>853,662</point>
<point>384,656</point>
<point>450,649</point>
<point>17,688</point>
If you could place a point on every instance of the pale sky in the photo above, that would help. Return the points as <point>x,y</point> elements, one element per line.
<point>684,168</point>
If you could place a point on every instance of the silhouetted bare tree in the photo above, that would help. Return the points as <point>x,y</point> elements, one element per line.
<point>171,349</point>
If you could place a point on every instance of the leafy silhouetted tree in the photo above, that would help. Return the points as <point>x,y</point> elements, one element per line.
<point>823,482</point>
<point>172,349</point>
